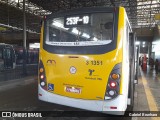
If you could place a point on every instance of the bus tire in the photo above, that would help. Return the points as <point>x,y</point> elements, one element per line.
<point>131,96</point>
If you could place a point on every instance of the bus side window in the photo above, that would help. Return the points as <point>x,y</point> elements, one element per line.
<point>127,41</point>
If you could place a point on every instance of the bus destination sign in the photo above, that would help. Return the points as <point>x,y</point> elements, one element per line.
<point>71,21</point>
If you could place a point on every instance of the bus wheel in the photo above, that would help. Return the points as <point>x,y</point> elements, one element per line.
<point>129,108</point>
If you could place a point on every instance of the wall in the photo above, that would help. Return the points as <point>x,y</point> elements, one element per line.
<point>144,35</point>
<point>144,49</point>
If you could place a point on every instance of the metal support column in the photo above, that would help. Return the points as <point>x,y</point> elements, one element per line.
<point>24,40</point>
<point>149,50</point>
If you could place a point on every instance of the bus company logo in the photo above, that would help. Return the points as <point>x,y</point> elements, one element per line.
<point>73,90</point>
<point>51,62</point>
<point>90,72</point>
<point>72,70</point>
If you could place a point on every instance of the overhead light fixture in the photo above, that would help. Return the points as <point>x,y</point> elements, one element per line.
<point>137,43</point>
<point>143,43</point>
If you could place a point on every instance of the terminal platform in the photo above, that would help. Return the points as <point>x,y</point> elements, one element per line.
<point>147,97</point>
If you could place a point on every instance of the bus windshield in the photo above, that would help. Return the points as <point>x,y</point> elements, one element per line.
<point>80,30</point>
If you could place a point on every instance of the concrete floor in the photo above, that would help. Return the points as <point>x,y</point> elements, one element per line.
<point>154,85</point>
<point>147,93</point>
<point>21,95</point>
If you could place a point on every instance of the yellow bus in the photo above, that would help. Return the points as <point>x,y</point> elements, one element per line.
<point>87,60</point>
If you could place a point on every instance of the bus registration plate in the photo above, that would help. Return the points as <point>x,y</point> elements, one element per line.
<point>73,89</point>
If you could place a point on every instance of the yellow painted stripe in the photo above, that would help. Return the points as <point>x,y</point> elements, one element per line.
<point>151,101</point>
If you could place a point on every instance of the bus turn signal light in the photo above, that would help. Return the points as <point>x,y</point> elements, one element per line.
<point>41,70</point>
<point>115,76</point>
